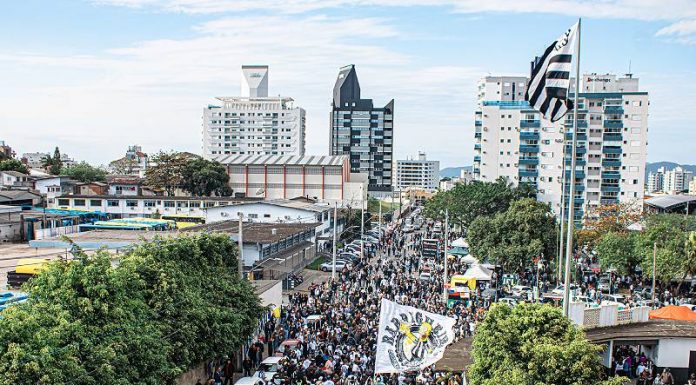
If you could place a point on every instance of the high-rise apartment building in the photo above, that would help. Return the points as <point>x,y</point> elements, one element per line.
<point>515,142</point>
<point>656,180</point>
<point>363,132</point>
<point>420,173</point>
<point>254,123</point>
<point>672,181</point>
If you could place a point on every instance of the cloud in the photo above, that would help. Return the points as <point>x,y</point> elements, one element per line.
<point>682,31</point>
<point>153,92</point>
<point>619,9</point>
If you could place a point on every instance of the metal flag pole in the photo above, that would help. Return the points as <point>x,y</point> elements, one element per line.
<point>333,265</point>
<point>559,260</point>
<point>240,245</point>
<point>571,192</point>
<point>444,282</point>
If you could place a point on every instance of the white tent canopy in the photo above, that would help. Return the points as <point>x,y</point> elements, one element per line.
<point>469,259</point>
<point>460,242</point>
<point>478,273</point>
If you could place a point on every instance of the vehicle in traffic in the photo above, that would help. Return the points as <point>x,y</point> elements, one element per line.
<point>287,346</point>
<point>614,299</point>
<point>520,291</point>
<point>560,289</point>
<point>340,265</point>
<point>269,367</point>
<point>586,300</point>
<point>604,285</point>
<point>509,301</point>
<point>408,229</point>
<point>250,381</point>
<point>425,276</point>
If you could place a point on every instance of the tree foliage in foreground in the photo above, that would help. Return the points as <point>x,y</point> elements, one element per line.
<point>201,177</point>
<point>512,238</point>
<point>533,344</point>
<point>169,305</point>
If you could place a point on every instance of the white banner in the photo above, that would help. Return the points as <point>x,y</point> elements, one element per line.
<point>410,339</point>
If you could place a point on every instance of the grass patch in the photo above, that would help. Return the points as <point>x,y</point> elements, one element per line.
<point>317,262</point>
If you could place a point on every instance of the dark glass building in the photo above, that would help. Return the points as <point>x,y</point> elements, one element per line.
<point>363,132</point>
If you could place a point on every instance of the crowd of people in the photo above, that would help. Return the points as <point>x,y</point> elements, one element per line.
<point>335,322</point>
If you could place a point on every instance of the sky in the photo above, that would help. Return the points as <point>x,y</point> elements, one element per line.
<point>94,76</point>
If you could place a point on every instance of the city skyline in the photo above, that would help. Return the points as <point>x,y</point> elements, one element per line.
<point>74,87</point>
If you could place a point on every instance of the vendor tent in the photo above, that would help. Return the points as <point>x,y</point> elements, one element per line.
<point>673,313</point>
<point>458,251</point>
<point>460,242</point>
<point>468,259</point>
<point>478,273</point>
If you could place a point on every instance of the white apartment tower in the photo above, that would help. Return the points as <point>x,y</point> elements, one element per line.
<point>418,173</point>
<point>677,180</point>
<point>254,123</point>
<point>515,142</point>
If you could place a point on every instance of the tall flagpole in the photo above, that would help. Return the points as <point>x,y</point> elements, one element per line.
<point>571,194</point>
<point>559,257</point>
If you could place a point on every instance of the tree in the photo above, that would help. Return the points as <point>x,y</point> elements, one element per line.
<point>168,305</point>
<point>533,344</point>
<point>468,201</point>
<point>84,172</point>
<point>166,171</point>
<point>671,233</point>
<point>201,177</point>
<point>13,165</point>
<point>612,218</point>
<point>618,250</point>
<point>53,164</point>
<point>513,237</point>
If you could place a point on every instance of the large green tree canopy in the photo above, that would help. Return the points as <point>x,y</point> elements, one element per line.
<point>532,345</point>
<point>513,237</point>
<point>13,165</point>
<point>84,172</point>
<point>167,306</point>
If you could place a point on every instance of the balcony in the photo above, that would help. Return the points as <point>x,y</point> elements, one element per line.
<point>529,148</point>
<point>578,150</point>
<point>579,174</point>
<point>611,150</point>
<point>613,109</point>
<point>612,136</point>
<point>477,158</point>
<point>477,135</point>
<point>526,135</point>
<point>616,123</point>
<point>530,124</point>
<point>581,136</point>
<point>477,170</point>
<point>528,160</point>
<point>608,200</point>
<point>578,188</point>
<point>529,173</point>
<point>611,174</point>
<point>477,146</point>
<point>611,162</point>
<point>581,123</point>
<point>610,188</point>
<point>478,123</point>
<point>578,162</point>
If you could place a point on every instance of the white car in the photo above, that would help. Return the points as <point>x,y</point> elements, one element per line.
<point>520,291</point>
<point>425,276</point>
<point>328,266</point>
<point>269,367</point>
<point>560,288</point>
<point>408,228</point>
<point>249,381</point>
<point>508,301</point>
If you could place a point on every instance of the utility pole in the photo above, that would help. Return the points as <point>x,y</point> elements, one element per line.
<point>362,229</point>
<point>444,282</point>
<point>652,297</point>
<point>380,213</point>
<point>240,245</point>
<point>333,265</point>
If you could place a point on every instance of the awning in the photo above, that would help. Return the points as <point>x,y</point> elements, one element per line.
<point>460,242</point>
<point>674,313</point>
<point>478,273</point>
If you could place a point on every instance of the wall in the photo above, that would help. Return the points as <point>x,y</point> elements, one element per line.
<point>10,232</point>
<point>674,352</point>
<point>272,296</point>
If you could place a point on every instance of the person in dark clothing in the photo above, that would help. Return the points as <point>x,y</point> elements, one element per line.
<point>246,366</point>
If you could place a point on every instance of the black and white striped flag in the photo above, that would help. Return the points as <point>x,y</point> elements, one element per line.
<point>547,91</point>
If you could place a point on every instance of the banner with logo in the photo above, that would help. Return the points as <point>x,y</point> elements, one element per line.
<point>410,339</point>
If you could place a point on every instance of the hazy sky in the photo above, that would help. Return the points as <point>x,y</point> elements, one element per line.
<point>96,76</point>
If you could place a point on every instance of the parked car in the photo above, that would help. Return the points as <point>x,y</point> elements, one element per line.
<point>328,266</point>
<point>586,300</point>
<point>408,229</point>
<point>270,365</point>
<point>604,285</point>
<point>520,291</point>
<point>560,288</point>
<point>509,301</point>
<point>249,381</point>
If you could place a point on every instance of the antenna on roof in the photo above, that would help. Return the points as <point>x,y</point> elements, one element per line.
<point>629,74</point>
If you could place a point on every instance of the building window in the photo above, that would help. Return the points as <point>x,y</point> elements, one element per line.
<point>112,203</point>
<point>79,202</point>
<point>63,202</point>
<point>253,216</point>
<point>169,204</point>
<point>131,203</point>
<point>149,203</point>
<point>95,202</point>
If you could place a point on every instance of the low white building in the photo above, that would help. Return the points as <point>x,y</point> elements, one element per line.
<point>55,186</point>
<point>325,179</point>
<point>281,211</point>
<point>15,179</point>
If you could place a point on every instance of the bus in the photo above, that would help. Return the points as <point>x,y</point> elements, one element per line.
<point>184,221</point>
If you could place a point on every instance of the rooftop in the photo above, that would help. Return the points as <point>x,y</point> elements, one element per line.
<point>653,329</point>
<point>290,203</point>
<point>15,173</point>
<point>254,232</point>
<point>668,201</point>
<point>307,160</point>
<point>161,197</point>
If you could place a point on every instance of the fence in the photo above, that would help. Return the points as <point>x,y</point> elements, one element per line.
<point>55,231</point>
<point>606,315</point>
